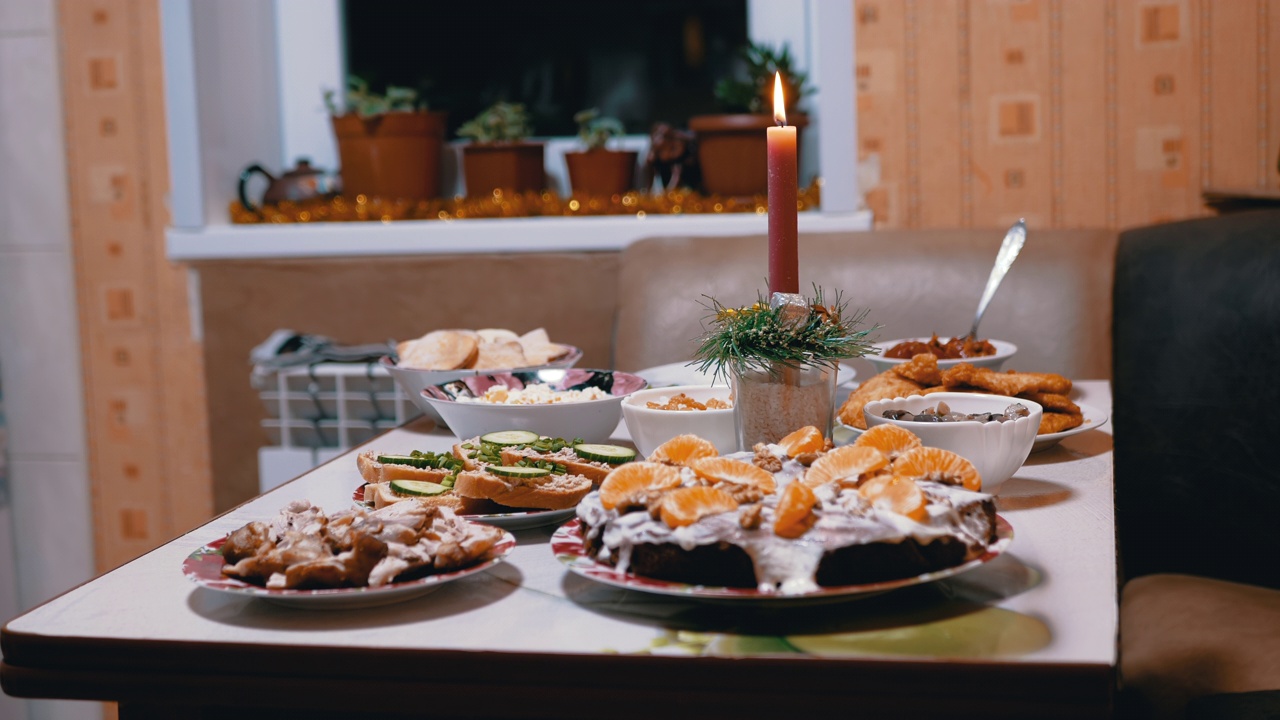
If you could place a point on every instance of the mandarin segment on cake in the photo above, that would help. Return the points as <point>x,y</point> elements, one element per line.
<point>682,450</point>
<point>887,509</point>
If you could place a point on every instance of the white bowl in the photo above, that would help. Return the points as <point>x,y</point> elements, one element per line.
<point>649,428</point>
<point>1004,351</point>
<point>413,381</point>
<point>996,449</point>
<point>591,420</point>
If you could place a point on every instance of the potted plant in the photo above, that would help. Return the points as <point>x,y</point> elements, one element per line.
<point>499,155</point>
<point>597,170</point>
<point>781,355</point>
<point>732,145</point>
<point>389,144</point>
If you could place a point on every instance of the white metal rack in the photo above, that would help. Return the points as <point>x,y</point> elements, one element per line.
<point>319,411</point>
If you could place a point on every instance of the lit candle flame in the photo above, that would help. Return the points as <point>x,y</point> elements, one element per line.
<point>779,103</point>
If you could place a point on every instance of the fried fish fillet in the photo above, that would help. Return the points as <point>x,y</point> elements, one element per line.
<point>887,384</point>
<point>922,369</point>
<point>1004,383</point>
<point>1054,422</point>
<point>1052,402</point>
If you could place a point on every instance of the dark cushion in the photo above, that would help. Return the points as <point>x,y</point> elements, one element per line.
<point>1195,349</point>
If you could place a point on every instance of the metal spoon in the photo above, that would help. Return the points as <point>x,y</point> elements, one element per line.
<point>1009,250</point>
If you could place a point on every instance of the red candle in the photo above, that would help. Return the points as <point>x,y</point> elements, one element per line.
<point>784,231</point>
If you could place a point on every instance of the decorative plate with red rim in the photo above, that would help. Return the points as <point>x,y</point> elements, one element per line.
<point>204,567</point>
<point>568,546</point>
<point>514,520</point>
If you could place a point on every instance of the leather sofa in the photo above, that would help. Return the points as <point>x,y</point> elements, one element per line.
<point>1196,335</point>
<point>1055,304</point>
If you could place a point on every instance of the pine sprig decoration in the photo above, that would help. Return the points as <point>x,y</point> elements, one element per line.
<point>759,337</point>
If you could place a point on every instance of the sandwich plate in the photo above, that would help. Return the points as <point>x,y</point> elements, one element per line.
<point>568,546</point>
<point>204,567</point>
<point>514,520</point>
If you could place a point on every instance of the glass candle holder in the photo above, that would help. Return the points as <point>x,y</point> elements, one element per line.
<point>770,404</point>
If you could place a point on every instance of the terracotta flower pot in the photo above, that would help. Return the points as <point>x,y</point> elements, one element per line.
<point>394,155</point>
<point>515,166</point>
<point>732,152</point>
<point>602,172</point>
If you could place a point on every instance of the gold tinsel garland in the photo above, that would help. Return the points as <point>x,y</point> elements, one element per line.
<point>511,205</point>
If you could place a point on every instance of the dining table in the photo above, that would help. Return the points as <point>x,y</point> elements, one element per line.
<point>1031,632</point>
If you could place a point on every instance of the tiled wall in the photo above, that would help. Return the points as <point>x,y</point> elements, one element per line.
<point>39,341</point>
<point>1071,113</point>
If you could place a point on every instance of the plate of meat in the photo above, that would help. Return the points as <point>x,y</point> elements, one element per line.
<point>352,559</point>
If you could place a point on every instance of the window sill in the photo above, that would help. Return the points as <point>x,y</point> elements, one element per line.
<point>436,237</point>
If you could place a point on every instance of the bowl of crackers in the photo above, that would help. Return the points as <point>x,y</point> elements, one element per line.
<point>442,356</point>
<point>656,415</point>
<point>568,403</point>
<point>954,351</point>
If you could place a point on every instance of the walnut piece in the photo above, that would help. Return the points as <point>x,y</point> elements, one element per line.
<point>764,459</point>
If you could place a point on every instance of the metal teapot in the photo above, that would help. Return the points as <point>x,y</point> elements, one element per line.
<point>301,183</point>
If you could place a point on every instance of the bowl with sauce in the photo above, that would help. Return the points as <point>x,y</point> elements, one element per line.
<point>995,432</point>
<point>949,351</point>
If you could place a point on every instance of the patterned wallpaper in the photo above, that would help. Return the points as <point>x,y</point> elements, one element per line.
<point>143,366</point>
<point>1071,113</point>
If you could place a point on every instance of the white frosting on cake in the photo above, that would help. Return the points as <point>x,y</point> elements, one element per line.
<point>788,566</point>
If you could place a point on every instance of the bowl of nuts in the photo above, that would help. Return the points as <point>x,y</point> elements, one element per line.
<point>994,432</point>
<point>656,415</point>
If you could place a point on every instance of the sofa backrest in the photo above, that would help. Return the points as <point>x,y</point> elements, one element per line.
<point>1197,337</point>
<point>1054,304</point>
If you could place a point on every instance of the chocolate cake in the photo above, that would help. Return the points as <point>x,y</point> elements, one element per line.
<point>850,541</point>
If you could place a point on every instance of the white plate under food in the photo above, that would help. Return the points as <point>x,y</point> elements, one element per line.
<point>568,546</point>
<point>524,519</point>
<point>679,373</point>
<point>204,567</point>
<point>1093,419</point>
<point>514,520</point>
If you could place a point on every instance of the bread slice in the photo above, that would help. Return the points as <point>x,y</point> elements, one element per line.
<point>574,464</point>
<point>500,355</point>
<point>547,492</point>
<point>381,495</point>
<point>377,472</point>
<point>439,350</point>
<point>463,454</point>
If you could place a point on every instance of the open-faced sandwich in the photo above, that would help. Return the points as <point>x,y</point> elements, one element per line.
<point>497,472</point>
<point>519,467</point>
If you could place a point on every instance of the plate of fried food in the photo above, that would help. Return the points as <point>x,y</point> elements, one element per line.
<point>921,375</point>
<point>353,558</point>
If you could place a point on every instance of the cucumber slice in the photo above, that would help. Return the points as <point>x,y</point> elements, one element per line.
<point>517,471</point>
<point>418,462</point>
<point>420,488</point>
<point>510,437</point>
<point>612,454</point>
